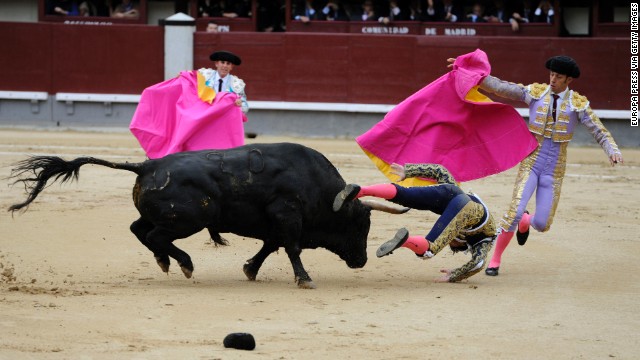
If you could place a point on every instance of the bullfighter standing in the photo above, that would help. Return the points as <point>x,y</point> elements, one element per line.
<point>554,111</point>
<point>465,222</point>
<point>197,110</point>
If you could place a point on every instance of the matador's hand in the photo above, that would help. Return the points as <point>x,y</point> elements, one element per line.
<point>616,159</point>
<point>444,278</point>
<point>238,102</point>
<point>398,169</point>
<point>451,61</point>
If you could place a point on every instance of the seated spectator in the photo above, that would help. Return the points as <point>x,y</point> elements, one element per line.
<point>477,14</point>
<point>397,10</point>
<point>125,10</point>
<point>544,13</point>
<point>63,7</point>
<point>100,7</point>
<point>236,8</point>
<point>209,8</point>
<point>334,11</point>
<point>212,27</point>
<point>496,12</point>
<point>305,11</point>
<point>441,10</point>
<point>271,15</point>
<point>522,12</point>
<point>415,10</point>
<point>499,13</point>
<point>84,9</point>
<point>366,12</point>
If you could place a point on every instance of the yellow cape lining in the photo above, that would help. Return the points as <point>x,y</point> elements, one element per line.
<point>205,93</point>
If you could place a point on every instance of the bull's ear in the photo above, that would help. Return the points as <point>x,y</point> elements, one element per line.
<point>386,207</point>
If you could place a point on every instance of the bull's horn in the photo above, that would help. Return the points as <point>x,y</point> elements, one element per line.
<point>376,205</point>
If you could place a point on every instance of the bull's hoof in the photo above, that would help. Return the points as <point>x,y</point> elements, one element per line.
<point>306,284</point>
<point>249,273</point>
<point>186,271</point>
<point>164,264</point>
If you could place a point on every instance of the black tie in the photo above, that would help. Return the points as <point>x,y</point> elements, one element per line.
<point>220,86</point>
<point>555,105</point>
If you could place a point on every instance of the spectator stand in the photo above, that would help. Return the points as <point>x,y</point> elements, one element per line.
<point>92,20</point>
<point>611,18</point>
<point>226,24</point>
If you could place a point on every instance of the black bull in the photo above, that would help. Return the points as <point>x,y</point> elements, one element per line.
<point>279,193</point>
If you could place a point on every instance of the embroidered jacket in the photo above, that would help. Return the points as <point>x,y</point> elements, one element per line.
<point>573,108</point>
<point>236,85</point>
<point>481,230</point>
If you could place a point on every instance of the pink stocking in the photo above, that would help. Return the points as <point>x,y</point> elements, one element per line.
<point>523,226</point>
<point>417,244</point>
<point>501,243</point>
<point>385,191</point>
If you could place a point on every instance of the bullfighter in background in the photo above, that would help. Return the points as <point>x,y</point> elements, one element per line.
<point>197,110</point>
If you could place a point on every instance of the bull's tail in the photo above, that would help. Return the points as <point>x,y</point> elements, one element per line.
<point>35,172</point>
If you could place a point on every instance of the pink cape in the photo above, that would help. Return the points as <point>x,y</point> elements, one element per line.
<point>172,118</point>
<point>438,124</point>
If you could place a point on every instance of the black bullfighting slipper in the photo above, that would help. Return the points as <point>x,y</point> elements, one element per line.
<point>522,236</point>
<point>347,194</point>
<point>387,248</point>
<point>492,271</point>
<point>241,341</point>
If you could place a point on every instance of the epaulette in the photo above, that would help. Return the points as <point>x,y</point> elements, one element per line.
<point>206,72</point>
<point>237,84</point>
<point>537,90</point>
<point>578,102</point>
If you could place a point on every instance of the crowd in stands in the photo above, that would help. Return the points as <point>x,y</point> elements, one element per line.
<point>270,14</point>
<point>126,9</point>
<point>224,8</point>
<point>515,12</point>
<point>386,11</point>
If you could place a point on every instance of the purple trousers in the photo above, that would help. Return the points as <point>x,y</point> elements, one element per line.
<point>541,172</point>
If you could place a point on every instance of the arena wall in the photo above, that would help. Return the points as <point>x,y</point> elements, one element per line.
<point>288,68</point>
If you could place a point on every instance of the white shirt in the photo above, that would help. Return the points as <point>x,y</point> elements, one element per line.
<point>215,81</point>
<point>559,102</point>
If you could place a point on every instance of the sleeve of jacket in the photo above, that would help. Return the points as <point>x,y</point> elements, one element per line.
<point>473,266</point>
<point>238,87</point>
<point>507,90</point>
<point>431,171</point>
<point>589,119</point>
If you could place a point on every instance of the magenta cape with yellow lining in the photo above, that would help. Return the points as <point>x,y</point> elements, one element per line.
<point>449,122</point>
<point>183,114</point>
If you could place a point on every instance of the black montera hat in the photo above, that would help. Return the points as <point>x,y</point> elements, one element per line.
<point>563,65</point>
<point>225,56</point>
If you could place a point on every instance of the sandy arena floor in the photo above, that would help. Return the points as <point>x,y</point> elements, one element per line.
<point>76,284</point>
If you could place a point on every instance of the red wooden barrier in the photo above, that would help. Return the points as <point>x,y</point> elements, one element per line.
<point>310,67</point>
<point>55,57</point>
<point>110,59</point>
<point>25,63</point>
<point>356,68</point>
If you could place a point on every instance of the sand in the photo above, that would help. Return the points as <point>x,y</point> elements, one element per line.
<point>76,284</point>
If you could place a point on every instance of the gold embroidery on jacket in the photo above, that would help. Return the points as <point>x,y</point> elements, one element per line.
<point>578,102</point>
<point>436,172</point>
<point>563,117</point>
<point>475,265</point>
<point>468,217</point>
<point>538,90</point>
